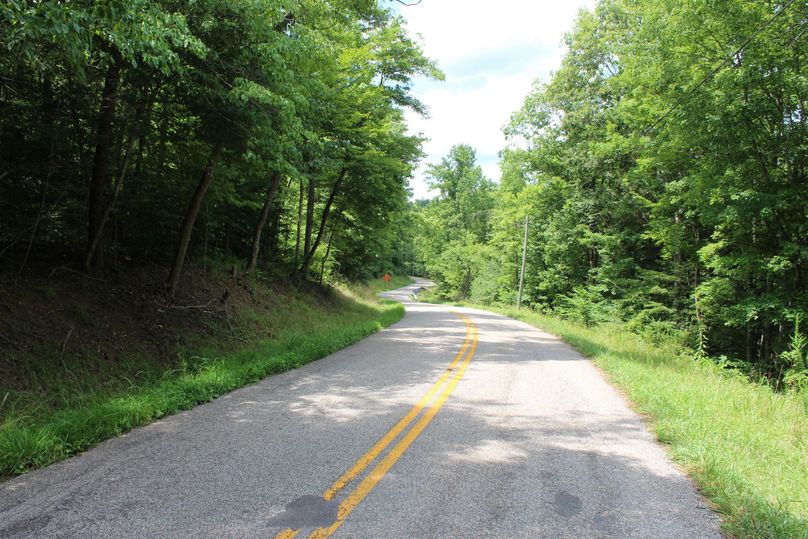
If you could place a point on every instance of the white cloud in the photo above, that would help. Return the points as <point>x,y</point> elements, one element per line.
<point>490,53</point>
<point>466,115</point>
<point>457,29</point>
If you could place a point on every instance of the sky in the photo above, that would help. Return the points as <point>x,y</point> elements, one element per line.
<point>491,52</point>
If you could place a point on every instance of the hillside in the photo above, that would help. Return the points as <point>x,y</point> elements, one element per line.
<point>84,358</point>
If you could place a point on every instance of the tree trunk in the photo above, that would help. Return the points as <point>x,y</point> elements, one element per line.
<point>136,135</point>
<point>95,241</point>
<point>39,213</point>
<point>190,217</point>
<point>262,219</point>
<point>205,244</point>
<point>103,148</point>
<point>299,219</point>
<point>271,235</point>
<point>309,254</point>
<point>765,343</point>
<point>49,115</point>
<point>328,249</point>
<point>309,219</point>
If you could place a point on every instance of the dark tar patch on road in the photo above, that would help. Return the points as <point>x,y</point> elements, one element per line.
<point>306,512</point>
<point>566,505</point>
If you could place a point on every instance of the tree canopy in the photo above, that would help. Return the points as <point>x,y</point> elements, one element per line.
<point>146,132</point>
<point>663,172</point>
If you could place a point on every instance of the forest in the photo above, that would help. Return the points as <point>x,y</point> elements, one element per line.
<point>181,184</point>
<point>267,134</point>
<point>198,194</point>
<point>662,173</point>
<point>661,169</point>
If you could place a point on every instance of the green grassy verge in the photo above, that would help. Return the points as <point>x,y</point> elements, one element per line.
<point>397,281</point>
<point>76,412</point>
<point>745,445</point>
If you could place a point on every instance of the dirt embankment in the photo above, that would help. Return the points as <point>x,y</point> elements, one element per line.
<point>67,317</point>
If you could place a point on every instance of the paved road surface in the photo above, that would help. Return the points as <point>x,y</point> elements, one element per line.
<point>454,422</point>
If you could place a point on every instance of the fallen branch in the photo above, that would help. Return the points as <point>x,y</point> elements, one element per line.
<point>65,268</point>
<point>192,306</point>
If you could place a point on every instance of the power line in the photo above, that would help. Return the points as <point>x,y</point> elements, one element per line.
<point>717,68</point>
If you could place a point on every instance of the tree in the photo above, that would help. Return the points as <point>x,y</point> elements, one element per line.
<point>192,121</point>
<point>663,169</point>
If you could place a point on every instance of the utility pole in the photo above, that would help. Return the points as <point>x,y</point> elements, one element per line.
<point>522,273</point>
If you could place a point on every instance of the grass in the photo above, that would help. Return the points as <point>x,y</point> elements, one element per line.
<point>397,281</point>
<point>745,445</point>
<point>66,412</point>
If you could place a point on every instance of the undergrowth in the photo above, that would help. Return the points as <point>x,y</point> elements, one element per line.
<point>66,410</point>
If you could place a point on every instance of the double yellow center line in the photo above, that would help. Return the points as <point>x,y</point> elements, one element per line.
<point>433,400</point>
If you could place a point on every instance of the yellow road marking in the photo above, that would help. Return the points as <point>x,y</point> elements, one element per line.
<point>377,474</point>
<point>363,462</point>
<point>368,483</point>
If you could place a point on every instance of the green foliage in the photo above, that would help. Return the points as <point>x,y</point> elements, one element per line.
<point>464,191</point>
<point>657,194</point>
<point>586,306</point>
<point>145,96</point>
<point>81,33</point>
<point>796,359</point>
<point>451,231</point>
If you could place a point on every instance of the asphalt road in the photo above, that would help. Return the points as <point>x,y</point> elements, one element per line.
<point>451,423</point>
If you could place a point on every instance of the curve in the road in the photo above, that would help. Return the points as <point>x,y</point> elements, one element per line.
<point>532,443</point>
